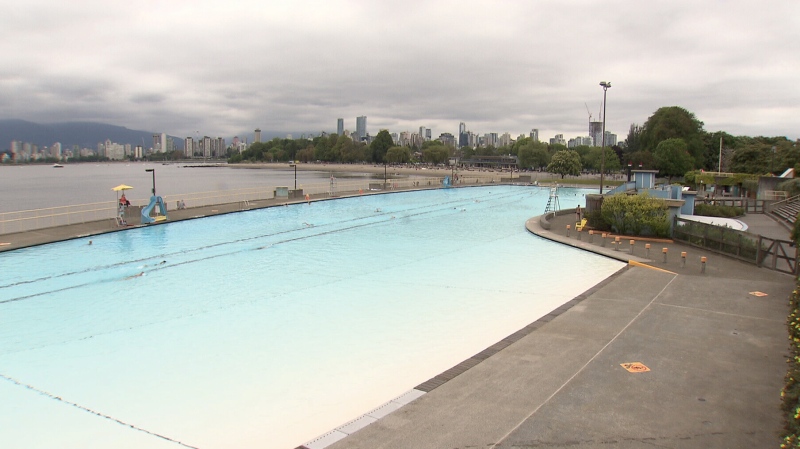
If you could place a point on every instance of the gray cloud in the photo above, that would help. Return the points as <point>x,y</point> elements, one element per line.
<point>223,68</point>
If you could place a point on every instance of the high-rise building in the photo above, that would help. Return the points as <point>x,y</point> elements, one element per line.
<point>361,127</point>
<point>258,135</point>
<point>558,140</point>
<point>447,139</point>
<point>611,139</point>
<point>188,147</point>
<point>505,140</point>
<point>463,138</point>
<point>340,126</point>
<point>596,133</point>
<point>535,135</point>
<point>55,150</point>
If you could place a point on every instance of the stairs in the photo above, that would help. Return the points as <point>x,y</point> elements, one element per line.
<point>786,211</point>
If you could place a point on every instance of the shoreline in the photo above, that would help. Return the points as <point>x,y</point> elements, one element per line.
<point>582,181</point>
<point>368,168</point>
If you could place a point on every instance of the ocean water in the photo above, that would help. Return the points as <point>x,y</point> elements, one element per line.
<point>26,187</point>
<point>267,328</point>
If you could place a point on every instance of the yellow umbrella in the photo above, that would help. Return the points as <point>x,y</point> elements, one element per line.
<point>121,187</point>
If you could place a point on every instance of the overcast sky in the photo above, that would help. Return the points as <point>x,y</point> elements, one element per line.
<point>223,68</point>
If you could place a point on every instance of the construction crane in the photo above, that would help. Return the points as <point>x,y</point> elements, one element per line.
<point>587,110</point>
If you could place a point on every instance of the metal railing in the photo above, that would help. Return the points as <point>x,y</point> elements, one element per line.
<point>781,203</point>
<point>29,220</point>
<point>778,255</point>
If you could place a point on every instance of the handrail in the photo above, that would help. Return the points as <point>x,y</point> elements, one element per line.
<point>787,201</point>
<point>28,220</point>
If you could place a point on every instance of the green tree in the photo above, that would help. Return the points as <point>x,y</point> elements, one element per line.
<point>583,150</point>
<point>565,162</point>
<point>519,144</point>
<point>675,122</point>
<point>306,155</point>
<point>398,155</point>
<point>711,149</point>
<point>436,154</point>
<point>383,141</point>
<point>533,155</point>
<point>641,160</point>
<point>633,142</point>
<point>594,160</point>
<point>672,158</point>
<point>750,159</point>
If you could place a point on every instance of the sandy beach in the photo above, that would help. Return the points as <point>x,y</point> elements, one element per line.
<point>374,169</point>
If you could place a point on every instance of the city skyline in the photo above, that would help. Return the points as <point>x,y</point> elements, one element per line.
<point>529,65</point>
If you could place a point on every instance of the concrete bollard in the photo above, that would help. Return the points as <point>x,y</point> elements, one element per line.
<point>603,243</point>
<point>578,233</point>
<point>703,264</point>
<point>616,243</point>
<point>632,243</point>
<point>664,250</point>
<point>646,250</point>
<point>568,226</point>
<point>683,259</point>
<point>591,236</point>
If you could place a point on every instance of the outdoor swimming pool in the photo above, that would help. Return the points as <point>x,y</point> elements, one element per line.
<point>268,328</point>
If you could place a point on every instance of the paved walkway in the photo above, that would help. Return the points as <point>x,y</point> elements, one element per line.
<point>715,353</point>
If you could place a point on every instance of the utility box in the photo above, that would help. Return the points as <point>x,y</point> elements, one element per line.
<point>281,193</point>
<point>296,194</point>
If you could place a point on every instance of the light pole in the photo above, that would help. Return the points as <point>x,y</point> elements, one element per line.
<point>295,174</point>
<point>606,85</point>
<point>153,171</point>
<point>771,160</point>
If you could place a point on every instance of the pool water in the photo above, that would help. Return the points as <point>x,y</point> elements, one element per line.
<point>270,327</point>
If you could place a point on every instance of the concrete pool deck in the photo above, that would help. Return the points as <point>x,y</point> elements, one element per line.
<point>714,348</point>
<point>715,353</point>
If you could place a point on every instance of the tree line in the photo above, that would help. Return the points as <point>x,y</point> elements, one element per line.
<point>672,140</point>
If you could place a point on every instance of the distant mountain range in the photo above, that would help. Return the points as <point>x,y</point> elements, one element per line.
<point>89,134</point>
<point>83,134</point>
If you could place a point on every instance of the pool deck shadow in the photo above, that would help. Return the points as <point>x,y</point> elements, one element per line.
<point>714,354</point>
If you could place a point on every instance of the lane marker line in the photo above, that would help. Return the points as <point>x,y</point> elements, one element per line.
<point>58,398</point>
<point>644,265</point>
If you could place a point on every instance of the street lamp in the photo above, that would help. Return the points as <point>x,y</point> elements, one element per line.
<point>606,85</point>
<point>295,174</point>
<point>771,160</point>
<point>153,171</point>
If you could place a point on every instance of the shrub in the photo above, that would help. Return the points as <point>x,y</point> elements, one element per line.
<point>791,391</point>
<point>718,210</point>
<point>635,215</point>
<point>791,187</point>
